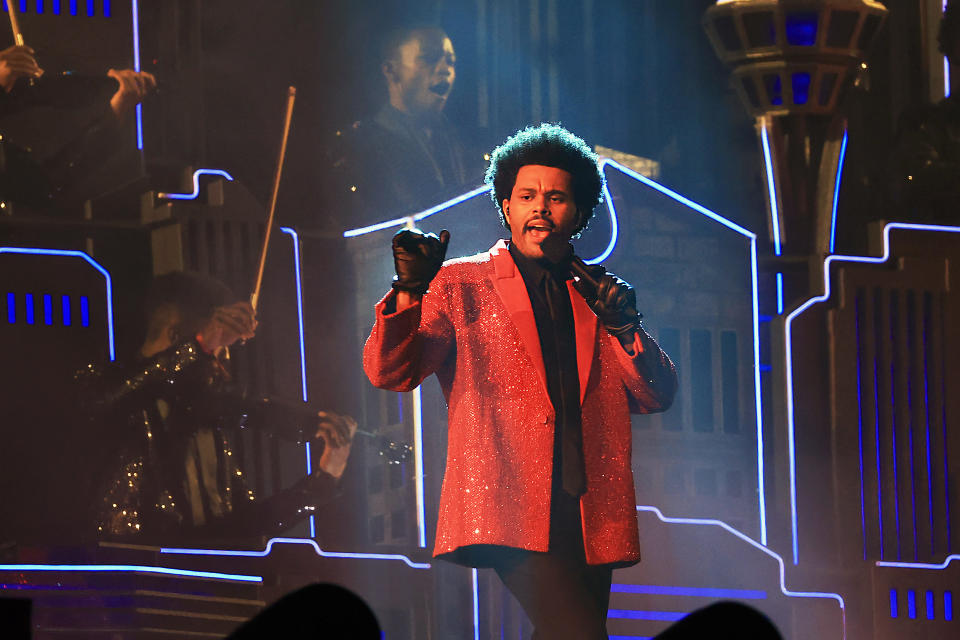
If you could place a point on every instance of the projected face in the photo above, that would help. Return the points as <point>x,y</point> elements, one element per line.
<point>422,74</point>
<point>541,203</point>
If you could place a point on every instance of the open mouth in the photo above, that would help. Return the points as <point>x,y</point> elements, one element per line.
<point>539,229</point>
<point>441,88</point>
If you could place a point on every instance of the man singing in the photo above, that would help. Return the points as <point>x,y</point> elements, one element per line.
<point>541,372</point>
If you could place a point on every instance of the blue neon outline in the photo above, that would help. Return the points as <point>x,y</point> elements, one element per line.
<point>196,185</point>
<point>418,466</point>
<point>296,267</point>
<point>426,213</point>
<point>893,438</point>
<point>894,604</point>
<point>836,191</point>
<point>779,294</point>
<point>96,265</point>
<point>303,359</point>
<point>320,552</point>
<point>919,565</point>
<point>47,309</point>
<point>789,353</point>
<point>66,311</point>
<point>135,10</point>
<point>29,308</point>
<point>912,604</point>
<point>639,614</point>
<point>11,308</point>
<point>926,404</point>
<point>863,501</point>
<point>476,605</point>
<point>126,568</point>
<point>946,66</point>
<point>771,188</point>
<point>930,607</point>
<point>764,549</point>
<point>696,592</point>
<point>948,605</point>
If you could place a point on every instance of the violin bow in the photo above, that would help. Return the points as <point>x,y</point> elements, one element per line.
<point>255,296</point>
<point>17,35</point>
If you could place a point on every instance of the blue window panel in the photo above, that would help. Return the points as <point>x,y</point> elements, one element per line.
<point>39,6</point>
<point>12,308</point>
<point>912,604</point>
<point>55,7</point>
<point>47,309</point>
<point>29,307</point>
<point>90,4</point>
<point>772,84</point>
<point>801,28</point>
<point>65,311</point>
<point>106,9</point>
<point>931,613</point>
<point>893,604</point>
<point>23,6</point>
<point>85,311</point>
<point>73,7</point>
<point>948,605</point>
<point>801,87</point>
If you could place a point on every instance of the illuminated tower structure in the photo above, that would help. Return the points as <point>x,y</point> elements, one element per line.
<point>861,472</point>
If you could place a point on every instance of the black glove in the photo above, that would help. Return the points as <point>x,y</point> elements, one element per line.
<point>614,301</point>
<point>417,257</point>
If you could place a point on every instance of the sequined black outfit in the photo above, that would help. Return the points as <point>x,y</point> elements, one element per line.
<point>170,472</point>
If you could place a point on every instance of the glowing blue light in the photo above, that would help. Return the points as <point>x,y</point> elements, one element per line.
<point>73,7</point>
<point>96,265</point>
<point>47,309</point>
<point>135,10</point>
<point>131,568</point>
<point>476,605</point>
<point>836,192</point>
<point>12,308</point>
<point>946,67</point>
<point>779,294</point>
<point>948,605</point>
<point>894,609</point>
<point>801,87</point>
<point>788,326</point>
<point>761,547</point>
<point>919,565</point>
<point>930,611</point>
<point>399,222</point>
<point>697,592</point>
<point>196,184</point>
<point>418,465</point>
<point>631,614</point>
<point>912,604</point>
<point>863,511</point>
<point>107,11</point>
<point>90,8</point>
<point>801,28</point>
<point>305,541</point>
<point>771,188</point>
<point>29,307</point>
<point>84,311</point>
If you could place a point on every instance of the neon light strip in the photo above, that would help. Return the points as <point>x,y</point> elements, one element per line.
<point>946,67</point>
<point>771,187</point>
<point>399,222</point>
<point>764,549</point>
<point>779,294</point>
<point>836,191</point>
<point>919,565</point>
<point>196,184</point>
<point>135,10</point>
<point>635,614</point>
<point>612,211</point>
<point>128,568</point>
<point>96,265</point>
<point>418,466</point>
<point>697,592</point>
<point>296,270</point>
<point>788,330</point>
<point>476,606</point>
<point>320,552</point>
<point>863,502</point>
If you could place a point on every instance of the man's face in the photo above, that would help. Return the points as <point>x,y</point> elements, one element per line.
<point>541,203</point>
<point>423,73</point>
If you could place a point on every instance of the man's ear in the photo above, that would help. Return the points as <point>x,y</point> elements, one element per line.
<point>505,207</point>
<point>389,70</point>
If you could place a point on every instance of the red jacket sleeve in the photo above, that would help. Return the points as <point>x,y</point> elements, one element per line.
<point>406,346</point>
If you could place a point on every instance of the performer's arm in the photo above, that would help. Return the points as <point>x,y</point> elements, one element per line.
<point>412,335</point>
<point>649,376</point>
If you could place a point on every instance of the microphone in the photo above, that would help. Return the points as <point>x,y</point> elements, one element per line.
<point>558,251</point>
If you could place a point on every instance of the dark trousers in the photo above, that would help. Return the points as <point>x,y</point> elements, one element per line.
<point>563,596</point>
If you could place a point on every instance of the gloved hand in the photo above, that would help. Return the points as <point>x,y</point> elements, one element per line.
<point>417,257</point>
<point>614,301</point>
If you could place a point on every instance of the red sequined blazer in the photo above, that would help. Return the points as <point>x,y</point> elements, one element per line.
<point>475,329</point>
